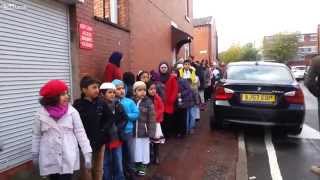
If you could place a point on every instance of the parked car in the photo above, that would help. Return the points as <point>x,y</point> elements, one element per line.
<point>258,93</point>
<point>298,72</point>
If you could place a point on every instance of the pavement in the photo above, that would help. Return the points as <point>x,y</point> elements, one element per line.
<point>204,155</point>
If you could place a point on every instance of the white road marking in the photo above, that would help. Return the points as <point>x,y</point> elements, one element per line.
<point>242,171</point>
<point>307,133</point>
<point>272,156</point>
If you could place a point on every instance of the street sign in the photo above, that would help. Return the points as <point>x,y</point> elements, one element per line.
<point>86,36</point>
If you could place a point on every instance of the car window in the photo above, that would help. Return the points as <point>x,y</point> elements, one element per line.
<point>258,73</point>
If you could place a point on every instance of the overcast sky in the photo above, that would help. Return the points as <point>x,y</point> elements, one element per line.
<point>242,21</point>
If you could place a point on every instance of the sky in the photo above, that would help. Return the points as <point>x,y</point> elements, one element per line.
<point>243,21</point>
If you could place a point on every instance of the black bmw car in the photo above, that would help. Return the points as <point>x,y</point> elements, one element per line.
<point>258,93</point>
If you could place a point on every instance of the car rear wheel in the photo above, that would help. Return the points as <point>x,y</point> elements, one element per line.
<point>215,123</point>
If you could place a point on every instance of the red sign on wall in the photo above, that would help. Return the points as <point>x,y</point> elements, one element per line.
<point>86,36</point>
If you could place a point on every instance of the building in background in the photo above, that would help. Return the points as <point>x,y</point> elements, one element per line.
<point>67,39</point>
<point>205,43</point>
<point>318,32</point>
<point>307,48</point>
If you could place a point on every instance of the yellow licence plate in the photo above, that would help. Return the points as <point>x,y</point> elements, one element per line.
<point>258,98</point>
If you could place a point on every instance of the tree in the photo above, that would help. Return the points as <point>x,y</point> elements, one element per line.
<point>249,53</point>
<point>280,47</point>
<point>240,53</point>
<point>230,55</point>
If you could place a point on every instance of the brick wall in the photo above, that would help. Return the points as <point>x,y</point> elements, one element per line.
<point>318,32</point>
<point>150,26</point>
<point>107,39</point>
<point>201,42</point>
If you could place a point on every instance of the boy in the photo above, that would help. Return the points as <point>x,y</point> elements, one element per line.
<point>113,168</point>
<point>132,112</point>
<point>95,116</point>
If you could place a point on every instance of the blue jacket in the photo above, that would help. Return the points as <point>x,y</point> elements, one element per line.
<point>132,111</point>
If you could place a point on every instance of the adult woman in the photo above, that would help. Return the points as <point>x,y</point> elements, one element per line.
<point>171,91</point>
<point>112,70</point>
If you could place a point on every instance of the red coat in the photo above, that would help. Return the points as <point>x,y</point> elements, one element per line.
<point>171,93</point>
<point>158,107</point>
<point>112,72</point>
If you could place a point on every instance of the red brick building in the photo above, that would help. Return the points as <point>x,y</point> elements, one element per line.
<point>67,39</point>
<point>318,32</point>
<point>205,43</point>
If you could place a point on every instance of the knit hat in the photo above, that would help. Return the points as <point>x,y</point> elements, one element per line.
<point>53,88</point>
<point>115,58</point>
<point>107,86</point>
<point>139,84</point>
<point>117,82</point>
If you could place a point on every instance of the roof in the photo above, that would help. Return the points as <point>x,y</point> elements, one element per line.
<point>256,63</point>
<point>202,21</point>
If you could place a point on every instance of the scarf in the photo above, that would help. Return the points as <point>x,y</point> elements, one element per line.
<point>56,112</point>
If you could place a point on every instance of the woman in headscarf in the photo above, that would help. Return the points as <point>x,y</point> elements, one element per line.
<point>112,70</point>
<point>170,96</point>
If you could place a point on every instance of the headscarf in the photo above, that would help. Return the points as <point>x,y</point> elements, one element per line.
<point>115,58</point>
<point>154,76</point>
<point>164,76</point>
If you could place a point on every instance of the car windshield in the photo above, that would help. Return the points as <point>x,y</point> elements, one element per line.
<point>259,73</point>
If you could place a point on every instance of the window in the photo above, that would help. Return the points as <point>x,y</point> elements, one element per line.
<point>314,38</point>
<point>187,8</point>
<point>259,73</point>
<point>186,51</point>
<point>114,11</point>
<point>301,38</point>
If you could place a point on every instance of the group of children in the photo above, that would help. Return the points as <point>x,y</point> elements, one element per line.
<point>118,125</point>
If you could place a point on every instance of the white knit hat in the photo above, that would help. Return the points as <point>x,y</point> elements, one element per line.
<point>139,84</point>
<point>108,85</point>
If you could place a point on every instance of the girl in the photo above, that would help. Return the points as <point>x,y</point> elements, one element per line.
<point>143,76</point>
<point>159,109</point>
<point>57,130</point>
<point>113,168</point>
<point>145,128</point>
<point>128,80</point>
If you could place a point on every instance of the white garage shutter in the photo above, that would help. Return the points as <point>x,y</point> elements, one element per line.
<point>34,48</point>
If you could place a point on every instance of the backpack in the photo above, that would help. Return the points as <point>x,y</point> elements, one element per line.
<point>312,81</point>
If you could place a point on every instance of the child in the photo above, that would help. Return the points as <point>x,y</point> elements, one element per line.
<point>184,105</point>
<point>145,128</point>
<point>57,131</point>
<point>128,80</point>
<point>159,109</point>
<point>95,114</point>
<point>155,77</point>
<point>143,76</point>
<point>195,110</point>
<point>132,112</point>
<point>113,168</point>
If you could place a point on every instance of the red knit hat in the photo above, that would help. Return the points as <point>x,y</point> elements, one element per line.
<point>53,88</point>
